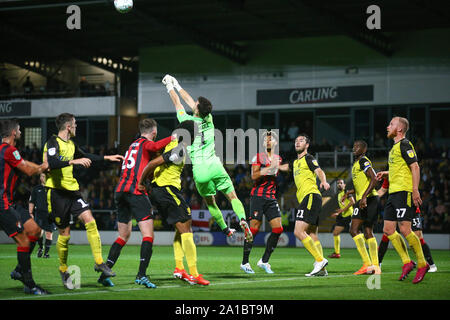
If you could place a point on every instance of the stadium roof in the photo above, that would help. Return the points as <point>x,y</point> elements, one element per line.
<point>37,29</point>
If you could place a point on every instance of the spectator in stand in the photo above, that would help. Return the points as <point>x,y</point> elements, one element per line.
<point>234,224</point>
<point>112,222</point>
<point>240,175</point>
<point>28,86</point>
<point>84,87</point>
<point>293,131</point>
<point>435,224</point>
<point>446,225</point>
<point>5,86</point>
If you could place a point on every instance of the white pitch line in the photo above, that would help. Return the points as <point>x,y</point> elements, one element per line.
<point>180,286</point>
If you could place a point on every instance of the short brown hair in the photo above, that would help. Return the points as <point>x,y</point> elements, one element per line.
<point>7,126</point>
<point>147,125</point>
<point>405,123</point>
<point>204,107</point>
<point>62,119</point>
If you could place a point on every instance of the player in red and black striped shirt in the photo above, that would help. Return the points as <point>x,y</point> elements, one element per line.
<point>17,225</point>
<point>131,201</point>
<point>265,168</point>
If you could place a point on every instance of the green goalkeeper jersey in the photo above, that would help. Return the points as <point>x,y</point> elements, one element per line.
<point>203,148</point>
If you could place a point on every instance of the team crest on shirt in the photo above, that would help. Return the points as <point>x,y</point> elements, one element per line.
<point>410,153</point>
<point>52,151</point>
<point>16,155</point>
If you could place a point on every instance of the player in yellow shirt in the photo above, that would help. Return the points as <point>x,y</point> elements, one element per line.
<point>306,169</point>
<point>166,195</point>
<point>63,196</point>
<point>343,217</point>
<point>404,198</point>
<point>365,213</point>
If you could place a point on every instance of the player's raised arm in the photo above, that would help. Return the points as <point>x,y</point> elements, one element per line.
<point>158,145</point>
<point>184,94</point>
<point>167,81</point>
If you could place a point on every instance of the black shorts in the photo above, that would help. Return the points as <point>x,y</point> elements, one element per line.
<point>369,214</point>
<point>260,206</point>
<point>24,214</point>
<point>400,207</point>
<point>41,218</point>
<point>343,222</point>
<point>10,221</point>
<point>309,209</point>
<point>132,205</point>
<point>170,204</point>
<point>64,205</point>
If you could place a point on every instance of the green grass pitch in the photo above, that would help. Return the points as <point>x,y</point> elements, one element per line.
<point>220,265</point>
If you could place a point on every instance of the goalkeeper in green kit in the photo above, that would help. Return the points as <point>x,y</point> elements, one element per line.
<point>209,173</point>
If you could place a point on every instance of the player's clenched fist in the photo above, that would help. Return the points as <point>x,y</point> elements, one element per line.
<point>167,79</point>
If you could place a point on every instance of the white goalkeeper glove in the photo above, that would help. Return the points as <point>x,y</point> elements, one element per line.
<point>176,85</point>
<point>167,79</point>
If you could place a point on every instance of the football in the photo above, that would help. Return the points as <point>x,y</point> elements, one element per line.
<point>123,6</point>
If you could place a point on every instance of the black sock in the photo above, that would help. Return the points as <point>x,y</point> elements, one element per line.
<point>32,245</point>
<point>382,250</point>
<point>40,242</point>
<point>427,253</point>
<point>247,249</point>
<point>48,244</point>
<point>272,242</point>
<point>114,254</point>
<point>23,257</point>
<point>146,255</point>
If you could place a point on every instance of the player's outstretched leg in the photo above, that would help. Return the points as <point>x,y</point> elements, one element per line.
<point>217,215</point>
<point>248,245</point>
<point>272,242</point>
<point>359,239</point>
<point>422,265</point>
<point>426,251</point>
<point>238,208</point>
<point>384,243</point>
<point>373,249</point>
<point>320,261</point>
<point>337,242</point>
<point>40,251</point>
<point>178,253</point>
<point>47,245</point>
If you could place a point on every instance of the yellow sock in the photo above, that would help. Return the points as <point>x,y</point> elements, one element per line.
<point>337,244</point>
<point>373,250</point>
<point>312,249</point>
<point>94,241</point>
<point>414,243</point>
<point>319,247</point>
<point>400,246</point>
<point>190,250</point>
<point>178,251</point>
<point>62,246</point>
<point>361,246</point>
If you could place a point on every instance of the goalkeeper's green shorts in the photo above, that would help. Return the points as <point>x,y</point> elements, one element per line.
<point>211,176</point>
